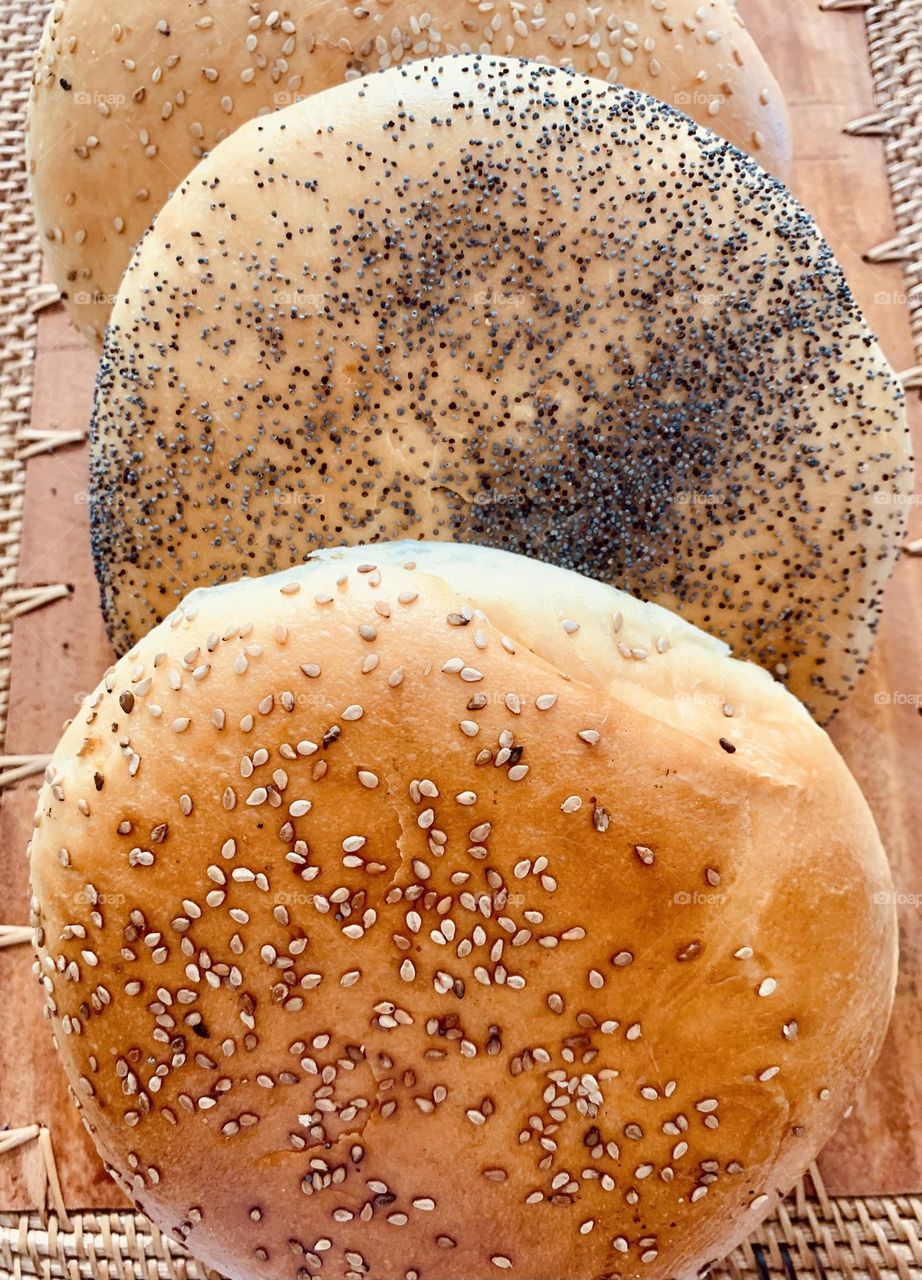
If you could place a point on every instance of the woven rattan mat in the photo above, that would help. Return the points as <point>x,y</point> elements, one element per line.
<point>895,51</point>
<point>812,1233</point>
<point>20,275</point>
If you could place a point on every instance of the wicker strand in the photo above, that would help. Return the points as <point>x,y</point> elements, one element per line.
<point>38,440</point>
<point>18,601</point>
<point>10,1139</point>
<point>53,1190</point>
<point>50,1196</point>
<point>14,768</point>
<point>877,124</point>
<point>14,935</point>
<point>43,296</point>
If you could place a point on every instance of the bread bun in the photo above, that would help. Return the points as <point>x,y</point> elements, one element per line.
<point>498,302</point>
<point>431,921</point>
<point>125,103</point>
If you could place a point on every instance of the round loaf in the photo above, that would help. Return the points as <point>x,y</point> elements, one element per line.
<point>492,301</point>
<point>425,912</point>
<point>123,105</point>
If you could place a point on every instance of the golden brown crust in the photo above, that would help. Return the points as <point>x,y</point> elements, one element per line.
<point>399,922</point>
<point>124,105</point>
<point>497,302</point>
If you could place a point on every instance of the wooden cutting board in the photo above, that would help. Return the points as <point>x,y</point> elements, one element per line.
<point>60,650</point>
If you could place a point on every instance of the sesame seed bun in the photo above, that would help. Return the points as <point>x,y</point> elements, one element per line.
<point>503,303</point>
<point>124,104</point>
<point>426,911</point>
